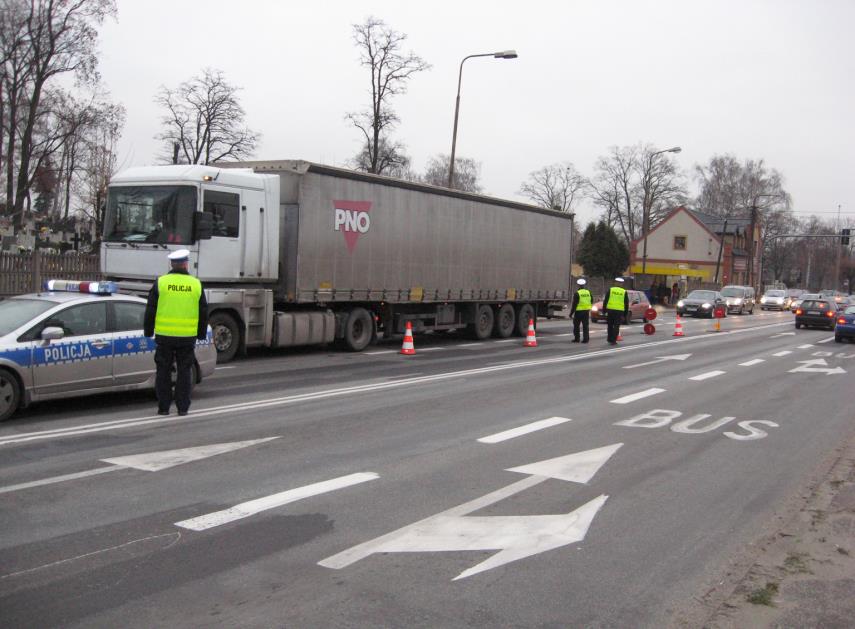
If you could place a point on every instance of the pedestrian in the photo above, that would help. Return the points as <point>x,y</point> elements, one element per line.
<point>675,293</point>
<point>616,305</point>
<point>176,314</point>
<point>580,310</point>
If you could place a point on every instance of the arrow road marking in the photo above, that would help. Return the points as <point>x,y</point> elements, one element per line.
<point>246,509</point>
<point>515,537</point>
<point>817,366</point>
<point>151,462</point>
<point>659,360</point>
<point>524,430</point>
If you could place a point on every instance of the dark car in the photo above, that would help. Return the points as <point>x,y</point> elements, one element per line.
<point>794,305</point>
<point>638,305</point>
<point>817,313</point>
<point>845,328</point>
<point>701,303</point>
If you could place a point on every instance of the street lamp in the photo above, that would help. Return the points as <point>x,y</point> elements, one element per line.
<point>645,218</point>
<point>503,54</point>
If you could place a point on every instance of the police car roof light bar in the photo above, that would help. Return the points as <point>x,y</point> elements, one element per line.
<point>97,288</point>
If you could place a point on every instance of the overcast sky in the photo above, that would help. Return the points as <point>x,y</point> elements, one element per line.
<point>771,79</point>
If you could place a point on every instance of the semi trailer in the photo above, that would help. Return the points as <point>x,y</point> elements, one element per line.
<point>297,253</point>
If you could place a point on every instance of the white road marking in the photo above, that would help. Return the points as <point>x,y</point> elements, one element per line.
<point>524,430</point>
<point>385,351</point>
<point>58,479</point>
<point>247,509</point>
<point>828,340</point>
<point>783,353</point>
<point>626,399</point>
<point>506,341</point>
<point>225,367</point>
<point>331,393</point>
<point>659,360</point>
<point>470,344</point>
<point>515,537</point>
<point>707,375</point>
<point>751,363</point>
<point>817,366</point>
<point>774,336</point>
<point>805,346</point>
<point>431,349</point>
<point>150,462</point>
<point>567,334</point>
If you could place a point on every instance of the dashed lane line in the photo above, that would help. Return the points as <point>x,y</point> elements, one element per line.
<point>782,353</point>
<point>708,375</point>
<point>828,340</point>
<point>632,397</point>
<point>805,346</point>
<point>751,363</point>
<point>524,430</point>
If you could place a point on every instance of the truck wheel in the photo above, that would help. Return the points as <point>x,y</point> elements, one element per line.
<point>483,325</point>
<point>10,395</point>
<point>358,330</point>
<point>226,335</point>
<point>524,313</point>
<point>505,321</point>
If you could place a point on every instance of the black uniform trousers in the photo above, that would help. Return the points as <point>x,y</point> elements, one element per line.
<point>178,351</point>
<point>613,321</point>
<point>581,317</point>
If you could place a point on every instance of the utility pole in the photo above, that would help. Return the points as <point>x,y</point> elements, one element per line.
<point>839,247</point>
<point>720,247</point>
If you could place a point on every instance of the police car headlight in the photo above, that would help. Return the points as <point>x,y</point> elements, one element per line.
<point>680,304</point>
<point>706,306</point>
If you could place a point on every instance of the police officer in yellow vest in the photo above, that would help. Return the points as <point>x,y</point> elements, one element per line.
<point>580,310</point>
<point>616,305</point>
<point>176,314</point>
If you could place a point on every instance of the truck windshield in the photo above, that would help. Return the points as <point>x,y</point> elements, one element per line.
<point>157,214</point>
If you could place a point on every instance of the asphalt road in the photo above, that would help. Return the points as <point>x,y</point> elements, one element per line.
<point>686,450</point>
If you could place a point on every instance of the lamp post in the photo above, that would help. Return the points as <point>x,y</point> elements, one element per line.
<point>645,218</point>
<point>503,54</point>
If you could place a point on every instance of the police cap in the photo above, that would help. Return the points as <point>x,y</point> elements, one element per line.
<point>181,255</point>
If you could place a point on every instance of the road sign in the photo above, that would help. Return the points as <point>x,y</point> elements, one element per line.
<point>515,537</point>
<point>649,329</point>
<point>719,312</point>
<point>650,314</point>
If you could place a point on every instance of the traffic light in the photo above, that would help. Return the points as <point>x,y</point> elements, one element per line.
<point>844,238</point>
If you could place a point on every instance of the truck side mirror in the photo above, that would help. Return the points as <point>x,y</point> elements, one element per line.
<point>203,226</point>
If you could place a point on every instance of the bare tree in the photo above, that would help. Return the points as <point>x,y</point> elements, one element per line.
<point>381,51</point>
<point>467,173</point>
<point>558,186</point>
<point>615,189</point>
<point>660,184</point>
<point>727,187</point>
<point>44,39</point>
<point>206,120</point>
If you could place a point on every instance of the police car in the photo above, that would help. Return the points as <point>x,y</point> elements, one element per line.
<point>78,338</point>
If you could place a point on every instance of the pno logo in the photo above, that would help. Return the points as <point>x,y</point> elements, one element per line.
<point>352,219</point>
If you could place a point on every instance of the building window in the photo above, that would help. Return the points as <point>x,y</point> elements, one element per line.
<point>680,243</point>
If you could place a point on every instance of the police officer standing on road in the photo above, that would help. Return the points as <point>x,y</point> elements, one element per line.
<point>176,315</point>
<point>581,311</point>
<point>617,306</point>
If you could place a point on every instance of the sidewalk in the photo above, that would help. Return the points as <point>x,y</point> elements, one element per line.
<point>803,573</point>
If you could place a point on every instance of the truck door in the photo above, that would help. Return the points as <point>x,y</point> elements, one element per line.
<point>220,257</point>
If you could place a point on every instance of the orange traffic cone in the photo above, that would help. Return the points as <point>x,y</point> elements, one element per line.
<point>408,349</point>
<point>530,339</point>
<point>678,327</point>
<point>717,326</point>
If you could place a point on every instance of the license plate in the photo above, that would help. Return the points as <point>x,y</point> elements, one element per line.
<point>813,312</point>
<point>691,308</point>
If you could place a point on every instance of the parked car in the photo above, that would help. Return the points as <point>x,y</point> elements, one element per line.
<point>701,303</point>
<point>638,305</point>
<point>66,344</point>
<point>804,296</point>
<point>817,313</point>
<point>739,299</point>
<point>775,299</point>
<point>845,327</point>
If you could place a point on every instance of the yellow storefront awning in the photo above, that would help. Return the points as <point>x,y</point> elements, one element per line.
<point>661,269</point>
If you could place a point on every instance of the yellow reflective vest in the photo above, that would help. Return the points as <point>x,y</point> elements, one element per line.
<point>585,300</point>
<point>617,299</point>
<point>177,305</point>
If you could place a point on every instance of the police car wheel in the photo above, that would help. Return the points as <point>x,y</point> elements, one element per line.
<point>10,395</point>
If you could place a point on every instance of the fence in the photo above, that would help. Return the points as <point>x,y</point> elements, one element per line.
<point>24,272</point>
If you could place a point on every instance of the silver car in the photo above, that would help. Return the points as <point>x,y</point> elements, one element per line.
<point>69,344</point>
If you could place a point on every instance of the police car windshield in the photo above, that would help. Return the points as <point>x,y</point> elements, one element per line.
<point>155,214</point>
<point>17,312</point>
